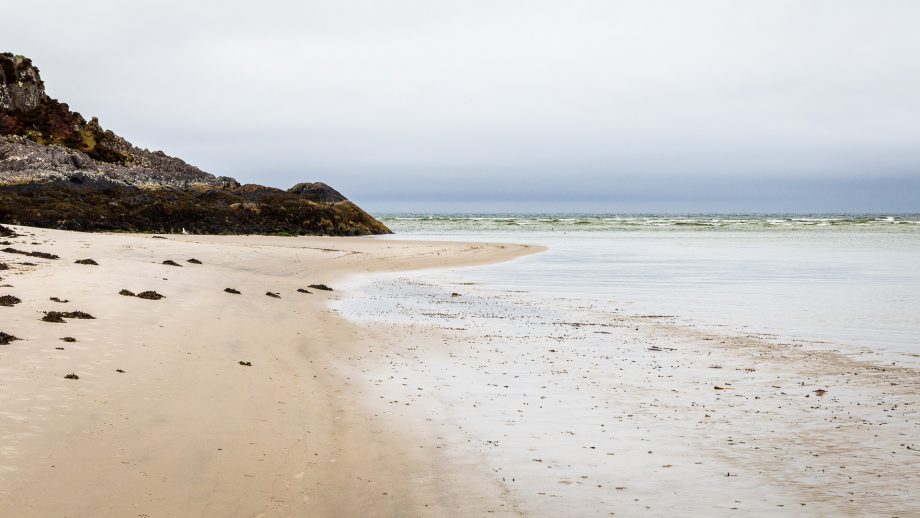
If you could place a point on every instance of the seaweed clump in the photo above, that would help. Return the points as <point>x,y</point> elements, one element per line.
<point>9,300</point>
<point>58,317</point>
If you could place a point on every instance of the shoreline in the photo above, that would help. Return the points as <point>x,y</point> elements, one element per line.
<point>587,412</point>
<point>409,396</point>
<point>165,421</point>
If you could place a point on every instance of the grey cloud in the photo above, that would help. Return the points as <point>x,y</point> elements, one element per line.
<point>477,102</point>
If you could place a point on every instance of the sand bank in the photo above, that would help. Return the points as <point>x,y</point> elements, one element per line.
<point>165,420</point>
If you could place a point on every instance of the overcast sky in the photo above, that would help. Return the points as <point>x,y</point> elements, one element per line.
<point>508,105</point>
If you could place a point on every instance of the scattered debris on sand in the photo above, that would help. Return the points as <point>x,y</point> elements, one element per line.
<point>72,376</point>
<point>56,299</point>
<point>170,262</point>
<point>86,261</point>
<point>68,339</point>
<point>246,364</point>
<point>6,232</point>
<point>301,290</point>
<point>42,255</point>
<point>6,338</point>
<point>194,261</point>
<point>322,287</point>
<point>127,293</point>
<point>9,300</point>
<point>150,295</point>
<point>273,295</point>
<point>58,317</point>
<point>231,290</point>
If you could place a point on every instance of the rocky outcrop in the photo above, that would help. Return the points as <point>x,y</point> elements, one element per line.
<point>59,170</point>
<point>21,88</point>
<point>318,192</point>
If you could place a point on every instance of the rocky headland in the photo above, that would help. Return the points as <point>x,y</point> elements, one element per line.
<point>58,170</point>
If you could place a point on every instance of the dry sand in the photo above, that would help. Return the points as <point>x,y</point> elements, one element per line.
<point>185,429</point>
<point>471,405</point>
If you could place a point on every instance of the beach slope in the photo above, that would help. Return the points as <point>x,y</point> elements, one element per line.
<point>207,402</point>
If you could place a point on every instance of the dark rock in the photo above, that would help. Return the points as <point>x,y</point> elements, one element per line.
<point>9,300</point>
<point>318,192</point>
<point>322,287</point>
<point>150,295</point>
<point>170,262</point>
<point>231,290</point>
<point>126,293</point>
<point>21,86</point>
<point>193,261</point>
<point>86,261</point>
<point>6,338</point>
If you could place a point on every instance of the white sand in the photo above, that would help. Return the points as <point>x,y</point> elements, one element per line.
<point>186,430</point>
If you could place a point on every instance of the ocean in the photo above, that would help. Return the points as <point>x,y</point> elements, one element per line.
<point>846,282</point>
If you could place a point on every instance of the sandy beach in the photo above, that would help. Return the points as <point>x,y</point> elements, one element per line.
<point>395,395</point>
<point>185,429</point>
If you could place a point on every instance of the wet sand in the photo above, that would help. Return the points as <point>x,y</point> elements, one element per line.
<point>164,420</point>
<point>593,413</point>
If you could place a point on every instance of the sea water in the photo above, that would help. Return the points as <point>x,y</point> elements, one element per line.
<point>842,281</point>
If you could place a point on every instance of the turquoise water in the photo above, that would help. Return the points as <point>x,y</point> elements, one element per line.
<point>847,281</point>
<point>477,223</point>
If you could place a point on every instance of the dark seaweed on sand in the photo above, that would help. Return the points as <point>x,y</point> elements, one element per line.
<point>62,301</point>
<point>42,255</point>
<point>246,364</point>
<point>126,293</point>
<point>68,339</point>
<point>4,266</point>
<point>194,261</point>
<point>150,295</point>
<point>5,232</point>
<point>6,338</point>
<point>322,287</point>
<point>72,376</point>
<point>59,316</point>
<point>86,261</point>
<point>231,290</point>
<point>273,295</point>
<point>9,300</point>
<point>170,262</point>
<point>301,290</point>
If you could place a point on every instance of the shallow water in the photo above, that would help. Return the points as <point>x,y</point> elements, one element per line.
<point>850,281</point>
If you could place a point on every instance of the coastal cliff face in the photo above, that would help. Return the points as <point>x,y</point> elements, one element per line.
<point>58,170</point>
